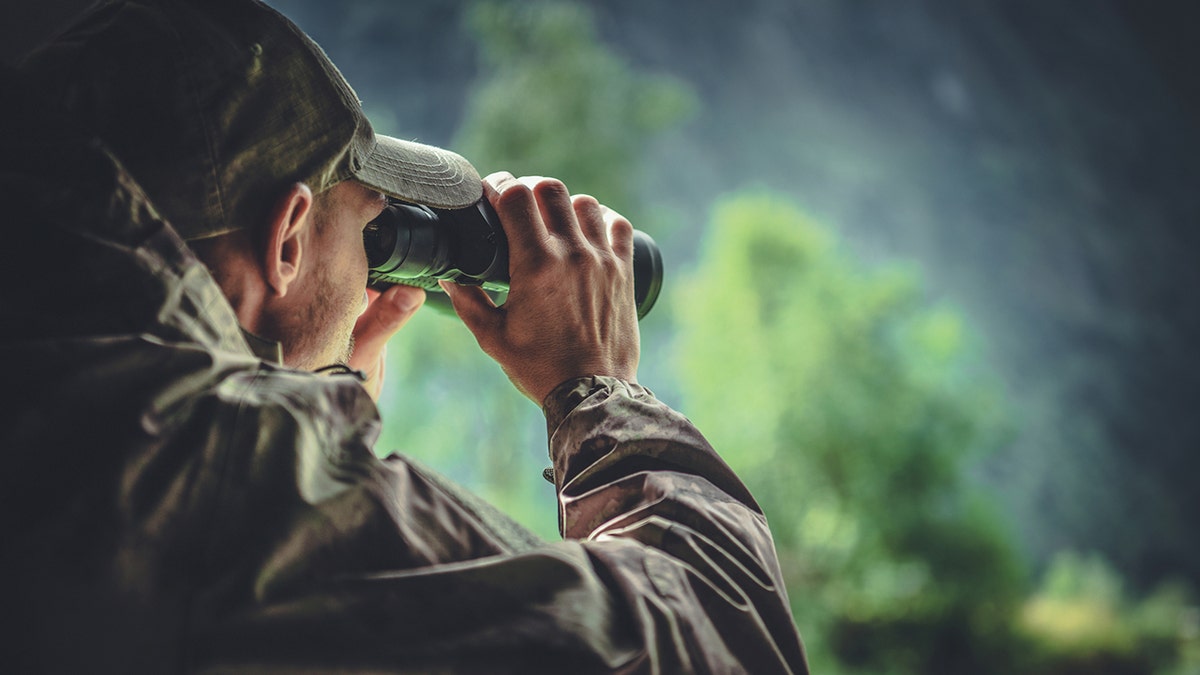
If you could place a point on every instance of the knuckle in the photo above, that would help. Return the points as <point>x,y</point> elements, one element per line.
<point>499,177</point>
<point>621,225</point>
<point>535,260</point>
<point>514,194</point>
<point>580,257</point>
<point>585,202</point>
<point>570,260</point>
<point>550,187</point>
<point>538,262</point>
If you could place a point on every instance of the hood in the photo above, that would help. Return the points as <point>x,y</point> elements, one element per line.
<point>88,256</point>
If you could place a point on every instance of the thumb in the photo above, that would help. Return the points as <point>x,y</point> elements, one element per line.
<point>471,304</point>
<point>385,315</point>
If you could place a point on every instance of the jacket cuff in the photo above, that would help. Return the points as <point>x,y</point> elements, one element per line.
<point>567,396</point>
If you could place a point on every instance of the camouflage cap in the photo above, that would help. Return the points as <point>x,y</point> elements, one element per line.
<point>217,106</point>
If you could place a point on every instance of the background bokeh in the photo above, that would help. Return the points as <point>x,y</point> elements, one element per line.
<point>930,289</point>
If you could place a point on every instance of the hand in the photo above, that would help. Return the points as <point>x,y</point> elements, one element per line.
<point>570,310</point>
<point>385,314</point>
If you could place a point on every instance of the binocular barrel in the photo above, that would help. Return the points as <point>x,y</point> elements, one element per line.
<point>418,245</point>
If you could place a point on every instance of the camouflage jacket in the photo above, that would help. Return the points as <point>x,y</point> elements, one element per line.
<point>175,503</point>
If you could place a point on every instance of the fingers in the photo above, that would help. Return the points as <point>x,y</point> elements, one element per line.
<point>556,210</point>
<point>569,310</point>
<point>519,214</point>
<point>386,313</point>
<point>590,215</point>
<point>554,205</point>
<point>620,233</point>
<point>473,306</point>
<point>374,382</point>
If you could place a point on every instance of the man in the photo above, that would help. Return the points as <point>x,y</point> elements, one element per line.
<point>189,469</point>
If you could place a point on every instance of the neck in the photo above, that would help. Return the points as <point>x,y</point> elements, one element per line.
<point>231,261</point>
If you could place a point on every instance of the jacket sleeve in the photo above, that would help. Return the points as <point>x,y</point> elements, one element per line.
<point>667,566</point>
<point>685,545</point>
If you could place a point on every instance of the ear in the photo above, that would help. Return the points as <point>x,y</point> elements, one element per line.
<point>287,237</point>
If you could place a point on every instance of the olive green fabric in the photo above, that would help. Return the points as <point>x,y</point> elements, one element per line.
<point>218,106</point>
<point>176,504</point>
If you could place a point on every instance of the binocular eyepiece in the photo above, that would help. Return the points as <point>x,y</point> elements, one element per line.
<point>418,245</point>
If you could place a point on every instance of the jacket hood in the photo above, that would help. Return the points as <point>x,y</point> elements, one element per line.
<point>89,256</point>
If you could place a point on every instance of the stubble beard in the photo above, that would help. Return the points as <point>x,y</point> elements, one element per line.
<point>322,334</point>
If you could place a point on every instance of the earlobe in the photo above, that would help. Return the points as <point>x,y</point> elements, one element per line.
<point>286,238</point>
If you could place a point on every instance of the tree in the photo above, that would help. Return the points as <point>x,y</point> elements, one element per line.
<point>852,407</point>
<point>556,101</point>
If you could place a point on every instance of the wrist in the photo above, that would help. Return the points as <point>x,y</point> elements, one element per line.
<point>563,399</point>
<point>542,393</point>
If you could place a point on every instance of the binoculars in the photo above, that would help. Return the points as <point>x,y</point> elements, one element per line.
<point>417,246</point>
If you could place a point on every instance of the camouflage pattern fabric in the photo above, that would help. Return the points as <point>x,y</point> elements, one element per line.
<point>174,503</point>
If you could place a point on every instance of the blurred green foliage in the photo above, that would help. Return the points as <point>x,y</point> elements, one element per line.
<point>1082,620</point>
<point>554,99</point>
<point>852,408</point>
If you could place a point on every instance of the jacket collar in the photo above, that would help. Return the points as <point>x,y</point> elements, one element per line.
<point>267,350</point>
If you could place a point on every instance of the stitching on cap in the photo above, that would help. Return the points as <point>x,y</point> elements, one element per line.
<point>456,174</point>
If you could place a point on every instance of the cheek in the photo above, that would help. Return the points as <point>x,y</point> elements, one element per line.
<point>360,267</point>
<point>349,262</point>
<point>354,267</point>
<point>357,255</point>
<point>360,256</point>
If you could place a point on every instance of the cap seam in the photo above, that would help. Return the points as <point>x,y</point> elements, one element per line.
<point>456,172</point>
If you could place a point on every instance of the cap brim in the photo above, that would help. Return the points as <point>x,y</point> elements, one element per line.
<point>420,174</point>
